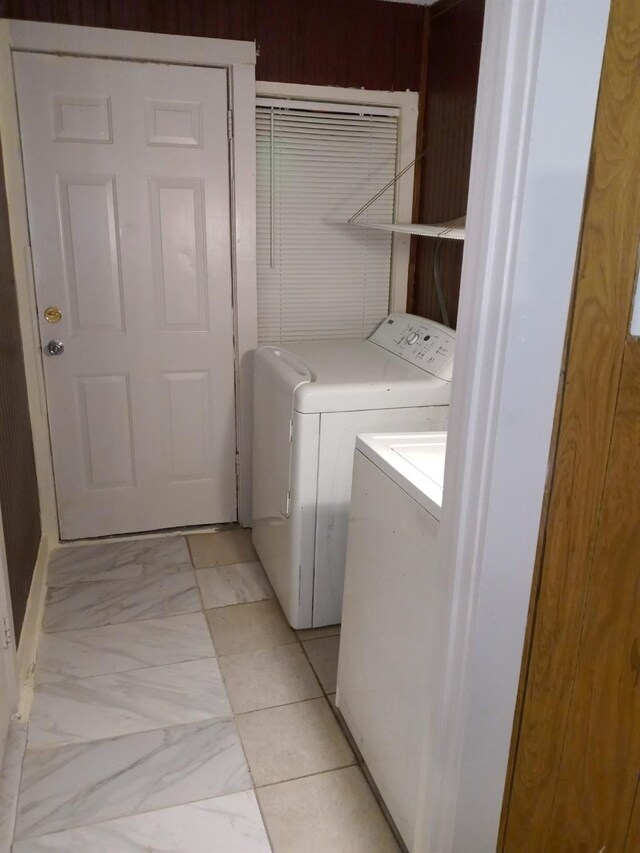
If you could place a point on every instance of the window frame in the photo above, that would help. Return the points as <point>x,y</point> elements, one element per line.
<point>407,105</point>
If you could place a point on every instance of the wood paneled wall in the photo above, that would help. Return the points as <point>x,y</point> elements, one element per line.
<point>362,43</point>
<point>359,43</point>
<point>18,484</point>
<point>453,61</point>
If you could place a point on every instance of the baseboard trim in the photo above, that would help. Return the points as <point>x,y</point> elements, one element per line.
<point>31,628</point>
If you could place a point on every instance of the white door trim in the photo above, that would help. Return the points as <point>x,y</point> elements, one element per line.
<point>127,44</point>
<point>8,657</point>
<point>408,105</point>
<point>239,59</point>
<point>539,76</point>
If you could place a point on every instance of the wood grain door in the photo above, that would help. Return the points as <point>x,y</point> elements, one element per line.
<point>127,178</point>
<point>575,769</point>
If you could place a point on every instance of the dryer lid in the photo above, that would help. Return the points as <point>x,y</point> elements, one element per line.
<point>344,376</point>
<point>406,362</point>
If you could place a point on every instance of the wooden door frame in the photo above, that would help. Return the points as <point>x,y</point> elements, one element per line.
<point>539,75</point>
<point>602,352</point>
<point>238,58</point>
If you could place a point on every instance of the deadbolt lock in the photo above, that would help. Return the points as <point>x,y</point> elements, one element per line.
<point>52,314</point>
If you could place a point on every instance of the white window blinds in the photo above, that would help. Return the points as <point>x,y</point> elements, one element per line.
<point>319,277</point>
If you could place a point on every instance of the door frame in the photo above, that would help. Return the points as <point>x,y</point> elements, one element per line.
<point>539,77</point>
<point>8,657</point>
<point>238,59</point>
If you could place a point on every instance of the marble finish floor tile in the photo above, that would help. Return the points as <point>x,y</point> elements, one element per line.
<point>317,633</point>
<point>230,824</point>
<point>333,811</point>
<point>89,605</point>
<point>115,560</point>
<point>323,654</point>
<point>103,706</point>
<point>80,784</point>
<point>119,648</point>
<point>222,586</point>
<point>292,741</point>
<point>268,677</point>
<point>248,627</point>
<point>10,773</point>
<point>221,549</point>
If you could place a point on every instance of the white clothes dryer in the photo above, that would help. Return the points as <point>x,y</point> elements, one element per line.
<point>311,399</point>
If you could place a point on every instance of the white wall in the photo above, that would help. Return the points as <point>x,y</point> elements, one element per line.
<point>539,78</point>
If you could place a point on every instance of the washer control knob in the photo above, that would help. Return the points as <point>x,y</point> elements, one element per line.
<point>413,337</point>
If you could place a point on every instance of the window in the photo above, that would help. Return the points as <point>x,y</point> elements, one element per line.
<point>317,164</point>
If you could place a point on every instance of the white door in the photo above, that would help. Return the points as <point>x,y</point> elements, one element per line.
<point>127,176</point>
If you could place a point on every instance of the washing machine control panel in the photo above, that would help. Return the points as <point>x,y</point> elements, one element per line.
<point>423,343</point>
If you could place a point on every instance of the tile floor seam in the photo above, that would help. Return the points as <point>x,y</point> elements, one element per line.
<point>125,675</point>
<point>133,814</point>
<point>284,821</point>
<point>283,705</point>
<point>101,580</point>
<point>260,649</point>
<point>187,540</point>
<point>250,772</point>
<point>49,632</point>
<point>250,787</point>
<point>58,746</point>
<point>202,607</point>
<point>264,821</point>
<point>139,559</point>
<point>115,624</point>
<point>304,651</point>
<point>235,604</point>
<point>235,715</point>
<point>256,788</point>
<point>308,775</point>
<point>264,615</point>
<point>343,729</point>
<point>171,533</point>
<point>224,684</point>
<point>125,671</point>
<point>176,571</point>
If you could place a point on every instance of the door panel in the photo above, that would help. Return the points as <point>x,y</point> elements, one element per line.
<point>187,416</point>
<point>575,764</point>
<point>127,176</point>
<point>104,403</point>
<point>178,245</point>
<point>91,252</point>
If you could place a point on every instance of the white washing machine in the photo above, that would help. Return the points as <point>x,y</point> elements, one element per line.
<point>310,401</point>
<point>392,600</point>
